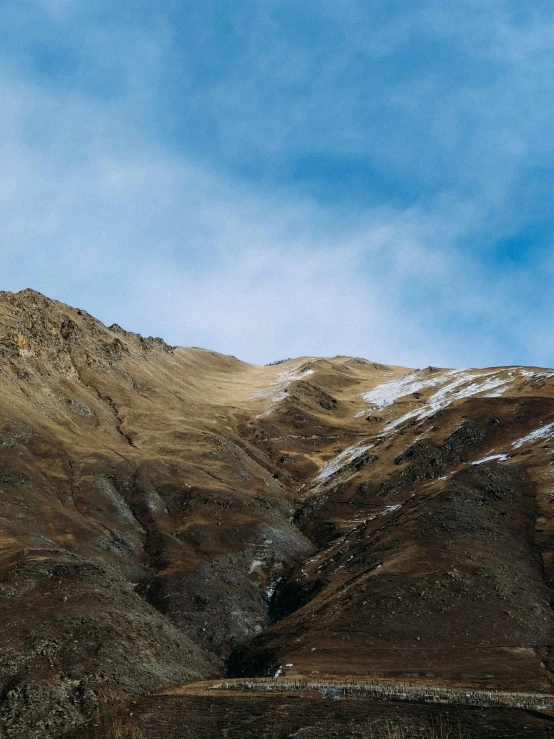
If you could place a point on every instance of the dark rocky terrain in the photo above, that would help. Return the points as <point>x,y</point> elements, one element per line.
<point>173,515</point>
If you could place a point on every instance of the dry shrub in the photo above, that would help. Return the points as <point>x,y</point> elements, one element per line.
<point>112,720</point>
<point>393,731</point>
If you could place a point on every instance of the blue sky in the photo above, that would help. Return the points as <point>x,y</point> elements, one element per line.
<point>272,179</point>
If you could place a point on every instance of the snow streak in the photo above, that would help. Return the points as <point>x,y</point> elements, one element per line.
<point>389,392</point>
<point>491,458</point>
<point>456,385</point>
<point>341,460</point>
<point>278,389</point>
<point>540,433</point>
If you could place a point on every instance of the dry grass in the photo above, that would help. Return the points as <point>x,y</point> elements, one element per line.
<point>440,729</point>
<point>437,728</point>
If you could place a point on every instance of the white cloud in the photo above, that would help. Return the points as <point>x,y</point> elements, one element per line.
<point>97,213</point>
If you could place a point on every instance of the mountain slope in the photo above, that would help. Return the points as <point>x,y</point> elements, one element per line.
<point>171,514</point>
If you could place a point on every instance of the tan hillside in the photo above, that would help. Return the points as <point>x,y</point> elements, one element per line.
<point>171,515</point>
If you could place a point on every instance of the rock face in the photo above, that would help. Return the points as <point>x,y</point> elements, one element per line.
<point>171,514</point>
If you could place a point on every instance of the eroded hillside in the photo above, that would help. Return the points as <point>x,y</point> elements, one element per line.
<point>173,514</point>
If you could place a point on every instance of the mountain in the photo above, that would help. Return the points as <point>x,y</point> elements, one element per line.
<point>173,515</point>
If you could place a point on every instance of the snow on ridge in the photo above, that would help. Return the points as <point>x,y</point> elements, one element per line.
<point>341,460</point>
<point>539,433</point>
<point>389,392</point>
<point>541,373</point>
<point>463,384</point>
<point>456,385</point>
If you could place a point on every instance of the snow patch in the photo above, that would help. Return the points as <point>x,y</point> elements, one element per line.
<point>456,385</point>
<point>278,389</point>
<point>255,564</point>
<point>542,373</point>
<point>389,392</point>
<point>539,433</point>
<point>462,385</point>
<point>272,587</point>
<point>491,457</point>
<point>341,460</point>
